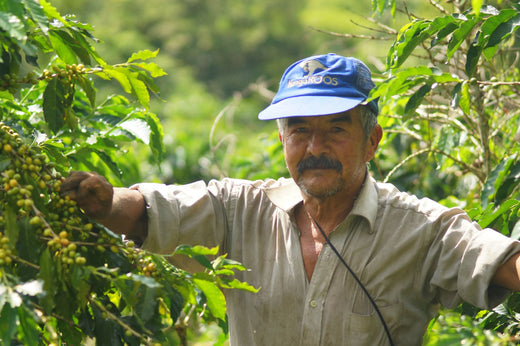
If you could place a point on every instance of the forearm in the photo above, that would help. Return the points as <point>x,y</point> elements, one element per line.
<point>508,275</point>
<point>128,214</point>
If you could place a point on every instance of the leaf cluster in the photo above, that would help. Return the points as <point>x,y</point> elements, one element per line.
<point>451,111</point>
<point>64,278</point>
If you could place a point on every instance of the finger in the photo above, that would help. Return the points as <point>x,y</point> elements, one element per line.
<point>72,182</point>
<point>95,187</point>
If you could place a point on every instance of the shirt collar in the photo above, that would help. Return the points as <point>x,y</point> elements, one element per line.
<point>366,203</point>
<point>287,195</point>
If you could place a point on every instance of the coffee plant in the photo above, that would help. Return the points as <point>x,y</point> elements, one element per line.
<point>64,278</point>
<point>451,111</point>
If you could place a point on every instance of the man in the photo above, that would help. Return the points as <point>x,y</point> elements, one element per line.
<point>390,258</point>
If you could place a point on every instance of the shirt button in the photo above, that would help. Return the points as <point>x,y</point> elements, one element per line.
<point>313,303</point>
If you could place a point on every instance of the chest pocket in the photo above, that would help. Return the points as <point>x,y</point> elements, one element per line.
<point>366,326</point>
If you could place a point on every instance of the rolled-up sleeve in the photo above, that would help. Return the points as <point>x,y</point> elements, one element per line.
<point>468,258</point>
<point>192,214</point>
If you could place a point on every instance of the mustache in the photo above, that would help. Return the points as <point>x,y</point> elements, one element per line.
<point>321,162</point>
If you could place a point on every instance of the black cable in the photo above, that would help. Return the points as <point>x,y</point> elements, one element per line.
<point>358,281</point>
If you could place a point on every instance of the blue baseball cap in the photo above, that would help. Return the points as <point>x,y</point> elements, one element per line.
<point>321,85</point>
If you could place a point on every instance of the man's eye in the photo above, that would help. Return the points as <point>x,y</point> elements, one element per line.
<point>300,130</point>
<point>337,129</point>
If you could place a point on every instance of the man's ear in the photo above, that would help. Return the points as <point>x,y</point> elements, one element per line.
<point>373,142</point>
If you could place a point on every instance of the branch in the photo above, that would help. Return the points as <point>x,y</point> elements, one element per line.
<point>351,35</point>
<point>118,321</point>
<point>430,150</point>
<point>439,7</point>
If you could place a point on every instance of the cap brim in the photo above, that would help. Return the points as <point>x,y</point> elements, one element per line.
<point>308,106</point>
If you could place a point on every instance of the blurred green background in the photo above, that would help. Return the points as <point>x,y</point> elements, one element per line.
<point>224,60</point>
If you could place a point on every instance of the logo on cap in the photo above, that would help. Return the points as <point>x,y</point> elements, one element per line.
<point>310,67</point>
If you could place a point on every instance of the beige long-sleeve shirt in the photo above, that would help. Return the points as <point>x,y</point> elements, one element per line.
<point>411,254</point>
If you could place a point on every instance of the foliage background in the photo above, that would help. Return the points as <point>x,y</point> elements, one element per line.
<point>449,105</point>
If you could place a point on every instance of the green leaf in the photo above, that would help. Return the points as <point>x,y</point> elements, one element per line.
<point>4,163</point>
<point>449,27</point>
<point>501,33</point>
<point>51,12</point>
<point>137,127</point>
<point>407,39</point>
<point>214,297</point>
<point>60,41</point>
<point>139,89</point>
<point>415,100</point>
<point>195,250</point>
<point>447,139</point>
<point>477,5</point>
<point>142,280</point>
<point>460,35</point>
<point>156,136</point>
<point>13,26</point>
<point>31,288</point>
<point>504,208</point>
<point>239,285</point>
<point>153,68</point>
<point>143,55</point>
<point>198,253</point>
<point>510,182</point>
<point>88,87</point>
<point>48,275</point>
<point>515,233</point>
<point>119,75</point>
<point>54,105</point>
<point>472,58</point>
<point>30,330</point>
<point>146,306</point>
<point>14,7</point>
<point>11,229</point>
<point>28,243</point>
<point>8,321</point>
<point>36,13</point>
<point>456,95</point>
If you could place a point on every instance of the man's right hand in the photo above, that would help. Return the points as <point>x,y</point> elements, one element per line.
<point>91,191</point>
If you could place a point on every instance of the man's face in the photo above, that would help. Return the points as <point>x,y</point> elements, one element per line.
<point>327,154</point>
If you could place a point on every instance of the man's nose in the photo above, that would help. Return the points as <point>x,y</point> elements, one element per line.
<point>318,143</point>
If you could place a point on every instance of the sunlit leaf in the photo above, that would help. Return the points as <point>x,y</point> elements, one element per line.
<point>196,250</point>
<point>119,75</point>
<point>13,25</point>
<point>477,5</point>
<point>460,35</point>
<point>156,136</point>
<point>51,11</point>
<point>60,41</point>
<point>515,233</point>
<point>510,183</point>
<point>239,285</point>
<point>143,55</point>
<point>30,288</point>
<point>504,208</point>
<point>153,68</point>
<point>139,89</point>
<point>214,297</point>
<point>37,15</point>
<point>88,87</point>
<point>138,127</point>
